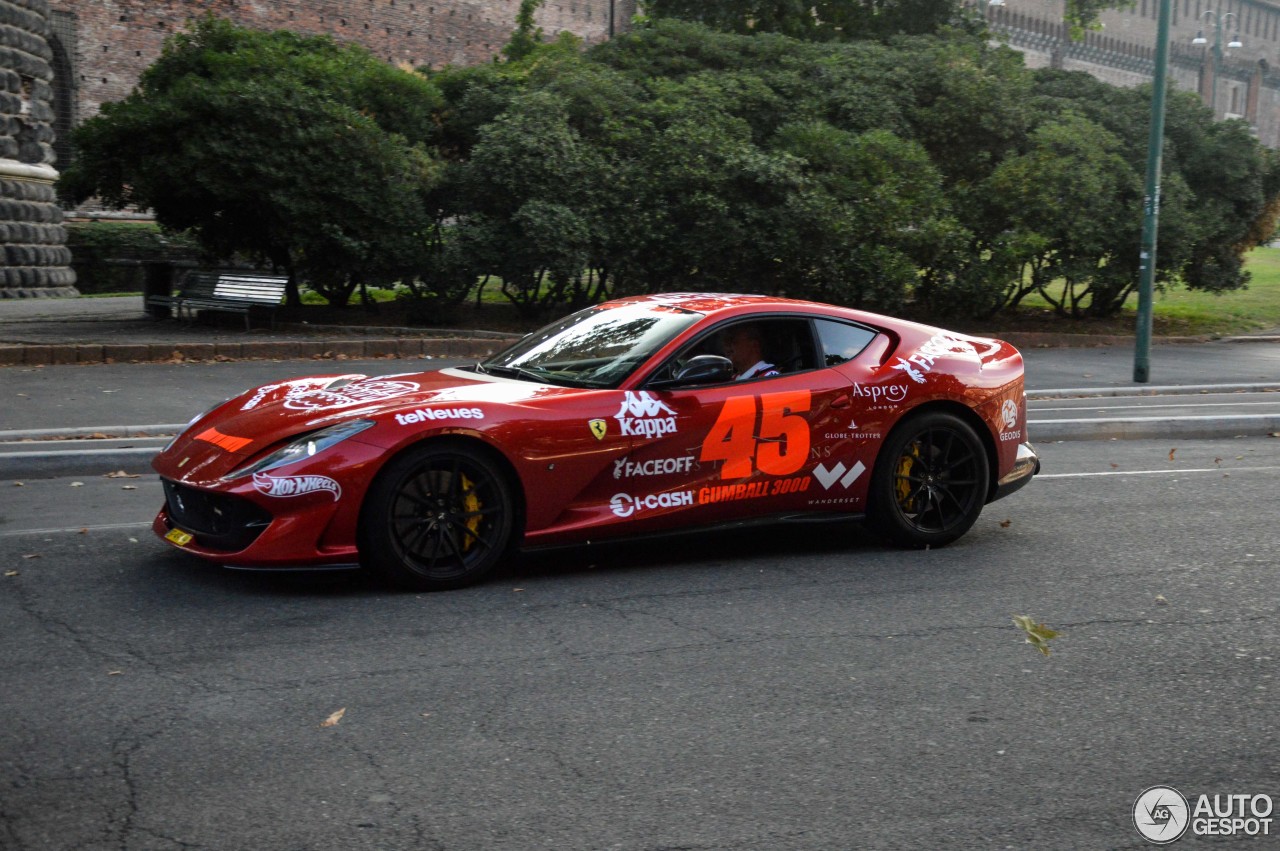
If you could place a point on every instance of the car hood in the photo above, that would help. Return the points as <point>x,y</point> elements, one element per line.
<point>269,415</point>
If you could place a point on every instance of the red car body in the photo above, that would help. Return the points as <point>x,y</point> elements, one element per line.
<point>572,462</point>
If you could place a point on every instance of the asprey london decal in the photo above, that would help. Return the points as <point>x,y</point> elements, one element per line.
<point>644,416</point>
<point>295,485</point>
<point>355,393</point>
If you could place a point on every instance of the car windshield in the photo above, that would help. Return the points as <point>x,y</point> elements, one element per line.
<point>596,347</point>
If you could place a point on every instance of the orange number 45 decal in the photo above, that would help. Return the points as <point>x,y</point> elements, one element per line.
<point>783,442</point>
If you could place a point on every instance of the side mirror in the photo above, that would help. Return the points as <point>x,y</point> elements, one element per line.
<point>701,369</point>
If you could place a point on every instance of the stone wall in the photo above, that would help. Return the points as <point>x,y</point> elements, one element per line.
<point>114,40</point>
<point>34,260</point>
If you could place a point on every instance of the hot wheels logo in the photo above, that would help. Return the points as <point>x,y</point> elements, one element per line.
<point>295,485</point>
<point>355,393</point>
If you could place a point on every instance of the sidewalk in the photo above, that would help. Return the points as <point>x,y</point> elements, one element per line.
<point>37,332</point>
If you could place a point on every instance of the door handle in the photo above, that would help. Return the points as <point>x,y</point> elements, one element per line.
<point>841,401</point>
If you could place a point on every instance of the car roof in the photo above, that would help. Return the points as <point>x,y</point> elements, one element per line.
<point>708,303</point>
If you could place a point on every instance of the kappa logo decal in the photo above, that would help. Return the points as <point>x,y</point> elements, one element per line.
<point>827,478</point>
<point>295,485</point>
<point>644,416</point>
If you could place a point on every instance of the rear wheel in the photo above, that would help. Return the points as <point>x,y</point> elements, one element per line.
<point>930,481</point>
<point>438,517</point>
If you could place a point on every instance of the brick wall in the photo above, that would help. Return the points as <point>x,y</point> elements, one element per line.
<point>117,39</point>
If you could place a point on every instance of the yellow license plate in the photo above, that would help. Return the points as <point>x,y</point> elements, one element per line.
<point>179,537</point>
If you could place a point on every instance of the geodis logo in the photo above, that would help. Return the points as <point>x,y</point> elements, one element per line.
<point>1162,814</point>
<point>642,415</point>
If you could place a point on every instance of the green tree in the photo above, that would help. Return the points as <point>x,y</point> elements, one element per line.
<point>296,151</point>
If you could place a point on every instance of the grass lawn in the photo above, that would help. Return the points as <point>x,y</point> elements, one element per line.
<point>1178,311</point>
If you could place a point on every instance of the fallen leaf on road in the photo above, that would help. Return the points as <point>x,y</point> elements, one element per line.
<point>114,673</point>
<point>1217,460</point>
<point>19,484</point>
<point>84,531</point>
<point>1161,601</point>
<point>128,487</point>
<point>1038,635</point>
<point>1115,466</point>
<point>32,555</point>
<point>11,573</point>
<point>121,474</point>
<point>1005,524</point>
<point>332,720</point>
<point>77,484</point>
<point>1171,451</point>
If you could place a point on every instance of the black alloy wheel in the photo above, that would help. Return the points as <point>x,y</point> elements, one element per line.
<point>439,516</point>
<point>930,481</point>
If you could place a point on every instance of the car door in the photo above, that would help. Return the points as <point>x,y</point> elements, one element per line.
<point>746,448</point>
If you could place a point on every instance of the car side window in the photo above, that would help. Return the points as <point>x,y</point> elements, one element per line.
<point>841,341</point>
<point>759,348</point>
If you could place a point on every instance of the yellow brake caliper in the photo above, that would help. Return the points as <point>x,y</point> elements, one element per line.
<point>903,484</point>
<point>471,504</point>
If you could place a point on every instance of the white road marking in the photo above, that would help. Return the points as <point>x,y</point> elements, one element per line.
<point>1244,469</point>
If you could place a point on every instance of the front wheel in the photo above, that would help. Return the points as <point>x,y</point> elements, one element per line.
<point>436,518</point>
<point>930,481</point>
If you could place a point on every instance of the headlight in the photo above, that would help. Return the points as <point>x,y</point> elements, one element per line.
<point>301,448</point>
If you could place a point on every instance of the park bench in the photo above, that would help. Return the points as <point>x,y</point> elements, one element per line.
<point>225,292</point>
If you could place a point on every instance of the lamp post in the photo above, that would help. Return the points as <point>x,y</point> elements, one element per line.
<point>1219,20</point>
<point>1151,204</point>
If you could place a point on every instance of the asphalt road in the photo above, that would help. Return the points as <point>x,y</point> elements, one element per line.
<point>804,688</point>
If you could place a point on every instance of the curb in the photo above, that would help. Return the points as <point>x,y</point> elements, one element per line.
<point>1147,428</point>
<point>332,349</point>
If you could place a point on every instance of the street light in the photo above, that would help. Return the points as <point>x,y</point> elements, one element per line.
<point>1151,201</point>
<point>1219,20</point>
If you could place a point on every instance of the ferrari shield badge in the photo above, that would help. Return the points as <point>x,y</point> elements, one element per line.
<point>599,428</point>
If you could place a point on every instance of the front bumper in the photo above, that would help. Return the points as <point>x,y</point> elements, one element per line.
<point>1025,466</point>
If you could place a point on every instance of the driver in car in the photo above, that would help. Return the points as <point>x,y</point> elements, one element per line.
<point>743,346</point>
